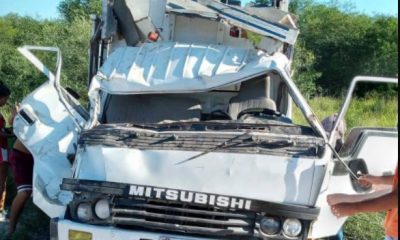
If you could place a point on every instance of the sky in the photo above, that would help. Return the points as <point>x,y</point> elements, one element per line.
<point>42,9</point>
<point>35,8</point>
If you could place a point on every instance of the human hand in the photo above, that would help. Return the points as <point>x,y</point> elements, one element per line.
<point>16,108</point>
<point>337,198</point>
<point>367,181</point>
<point>343,210</point>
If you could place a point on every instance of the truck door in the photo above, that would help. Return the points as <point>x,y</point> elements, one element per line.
<point>373,150</point>
<point>366,150</point>
<point>48,124</point>
<point>377,148</point>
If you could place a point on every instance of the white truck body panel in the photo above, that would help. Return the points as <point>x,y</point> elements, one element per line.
<point>50,139</point>
<point>380,153</point>
<point>206,22</point>
<point>235,16</point>
<point>48,126</point>
<point>381,161</point>
<point>215,173</point>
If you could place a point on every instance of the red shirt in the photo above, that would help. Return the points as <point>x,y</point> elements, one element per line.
<point>391,222</point>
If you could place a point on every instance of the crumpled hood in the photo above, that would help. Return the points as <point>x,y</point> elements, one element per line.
<point>251,176</point>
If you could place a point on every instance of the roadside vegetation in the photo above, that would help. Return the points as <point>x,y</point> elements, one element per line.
<point>372,111</point>
<point>336,44</point>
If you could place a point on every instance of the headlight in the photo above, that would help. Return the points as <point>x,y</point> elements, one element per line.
<point>102,209</point>
<point>84,212</point>
<point>270,225</point>
<point>292,227</point>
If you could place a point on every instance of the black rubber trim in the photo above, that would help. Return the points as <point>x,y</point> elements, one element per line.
<point>122,190</point>
<point>358,136</point>
<point>27,117</point>
<point>289,141</point>
<point>54,229</point>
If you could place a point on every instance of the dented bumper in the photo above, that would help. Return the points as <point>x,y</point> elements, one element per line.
<point>68,230</point>
<point>139,209</point>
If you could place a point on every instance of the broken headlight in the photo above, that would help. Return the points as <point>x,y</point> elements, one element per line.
<point>270,226</point>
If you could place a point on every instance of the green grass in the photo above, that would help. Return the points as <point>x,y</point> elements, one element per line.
<point>369,112</point>
<point>365,227</point>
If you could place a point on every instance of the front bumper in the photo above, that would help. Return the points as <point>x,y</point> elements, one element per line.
<point>152,213</point>
<point>59,230</point>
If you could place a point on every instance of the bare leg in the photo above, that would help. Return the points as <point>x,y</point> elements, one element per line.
<point>3,178</point>
<point>16,209</point>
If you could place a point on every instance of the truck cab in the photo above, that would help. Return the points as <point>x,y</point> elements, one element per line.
<point>189,131</point>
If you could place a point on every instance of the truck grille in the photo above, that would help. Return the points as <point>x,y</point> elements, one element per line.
<point>183,218</point>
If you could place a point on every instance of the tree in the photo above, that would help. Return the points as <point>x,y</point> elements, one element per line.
<point>305,74</point>
<point>72,39</point>
<point>298,6</point>
<point>345,44</point>
<point>73,9</point>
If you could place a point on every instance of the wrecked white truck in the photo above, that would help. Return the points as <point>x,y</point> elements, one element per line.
<point>189,133</point>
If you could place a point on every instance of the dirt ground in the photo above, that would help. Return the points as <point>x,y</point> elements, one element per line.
<point>34,225</point>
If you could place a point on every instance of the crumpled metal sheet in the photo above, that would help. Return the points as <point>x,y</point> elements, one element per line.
<point>179,67</point>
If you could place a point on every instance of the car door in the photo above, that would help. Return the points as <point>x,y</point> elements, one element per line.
<point>366,150</point>
<point>48,123</point>
<point>371,150</point>
<point>377,148</point>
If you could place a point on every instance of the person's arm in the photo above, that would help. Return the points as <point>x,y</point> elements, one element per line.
<point>375,180</point>
<point>334,199</point>
<point>18,145</point>
<point>14,112</point>
<point>379,204</point>
<point>4,134</point>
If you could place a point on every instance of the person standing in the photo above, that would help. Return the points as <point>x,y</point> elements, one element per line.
<point>21,162</point>
<point>4,135</point>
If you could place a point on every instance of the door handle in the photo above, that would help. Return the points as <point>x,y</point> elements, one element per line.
<point>27,116</point>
